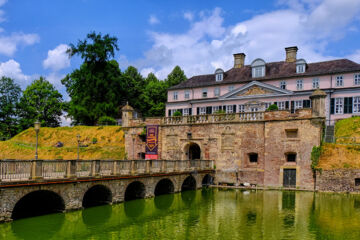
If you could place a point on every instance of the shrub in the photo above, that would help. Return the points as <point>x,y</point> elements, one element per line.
<point>105,120</point>
<point>220,111</point>
<point>177,114</point>
<point>272,107</point>
<point>315,156</point>
<point>94,140</point>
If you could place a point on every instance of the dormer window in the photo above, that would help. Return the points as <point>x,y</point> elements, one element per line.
<point>219,74</point>
<point>258,68</point>
<point>300,66</point>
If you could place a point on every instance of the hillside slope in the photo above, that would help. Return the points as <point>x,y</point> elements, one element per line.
<point>345,153</point>
<point>104,142</point>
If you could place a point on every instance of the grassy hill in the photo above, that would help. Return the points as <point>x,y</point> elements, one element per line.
<point>104,142</point>
<point>345,153</point>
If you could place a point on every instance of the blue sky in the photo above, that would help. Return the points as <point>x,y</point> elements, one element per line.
<point>154,36</point>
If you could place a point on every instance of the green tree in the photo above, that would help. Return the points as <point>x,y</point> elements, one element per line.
<point>10,93</point>
<point>154,96</point>
<point>95,89</point>
<point>175,77</point>
<point>40,101</point>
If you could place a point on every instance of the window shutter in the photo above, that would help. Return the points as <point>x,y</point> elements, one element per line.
<point>332,105</point>
<point>234,108</point>
<point>190,111</point>
<point>208,110</point>
<point>275,103</point>
<point>306,103</point>
<point>197,111</point>
<point>348,105</point>
<point>287,104</point>
<point>292,106</point>
<point>224,108</point>
<point>169,113</point>
<point>181,111</point>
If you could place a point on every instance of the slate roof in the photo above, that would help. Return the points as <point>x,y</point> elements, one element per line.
<point>274,70</point>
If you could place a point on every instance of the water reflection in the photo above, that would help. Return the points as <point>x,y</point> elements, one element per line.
<point>96,216</point>
<point>288,200</point>
<point>251,217</point>
<point>164,202</point>
<point>134,208</point>
<point>39,228</point>
<point>188,197</point>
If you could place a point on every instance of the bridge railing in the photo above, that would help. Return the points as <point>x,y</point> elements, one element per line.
<point>25,170</point>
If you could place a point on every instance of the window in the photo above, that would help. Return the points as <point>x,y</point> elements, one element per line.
<point>186,112</point>
<point>339,105</point>
<point>241,108</point>
<point>253,157</point>
<point>231,88</point>
<point>357,79</point>
<point>357,181</point>
<point>315,83</point>
<point>172,111</point>
<point>175,95</point>
<point>283,85</point>
<point>281,105</point>
<point>291,133</point>
<point>258,68</point>
<point>229,108</point>
<point>202,110</point>
<point>204,93</point>
<point>291,157</point>
<point>267,105</point>
<point>219,75</point>
<point>339,81</point>
<point>217,92</point>
<point>215,109</point>
<point>298,104</point>
<point>300,68</point>
<point>299,84</point>
<point>187,94</point>
<point>356,105</point>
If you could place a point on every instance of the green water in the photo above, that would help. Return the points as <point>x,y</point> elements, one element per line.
<point>204,214</point>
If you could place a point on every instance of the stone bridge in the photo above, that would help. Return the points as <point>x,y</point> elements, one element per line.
<point>32,188</point>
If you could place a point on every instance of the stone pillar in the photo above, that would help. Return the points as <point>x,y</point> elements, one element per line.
<point>36,169</point>
<point>127,115</point>
<point>71,169</point>
<point>318,103</point>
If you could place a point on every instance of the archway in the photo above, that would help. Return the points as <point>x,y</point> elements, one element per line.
<point>97,195</point>
<point>135,190</point>
<point>188,184</point>
<point>207,180</point>
<point>38,203</point>
<point>193,151</point>
<point>164,186</point>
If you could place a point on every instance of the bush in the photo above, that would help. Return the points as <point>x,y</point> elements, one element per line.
<point>220,112</point>
<point>94,140</point>
<point>105,120</point>
<point>315,156</point>
<point>177,114</point>
<point>272,107</point>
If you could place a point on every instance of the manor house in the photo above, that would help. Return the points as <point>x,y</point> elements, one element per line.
<point>253,88</point>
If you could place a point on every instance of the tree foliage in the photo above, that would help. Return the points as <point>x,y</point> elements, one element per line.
<point>10,93</point>
<point>40,101</point>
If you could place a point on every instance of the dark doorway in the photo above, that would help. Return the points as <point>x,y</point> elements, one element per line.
<point>194,151</point>
<point>189,184</point>
<point>164,186</point>
<point>135,190</point>
<point>38,203</point>
<point>289,178</point>
<point>96,196</point>
<point>207,180</point>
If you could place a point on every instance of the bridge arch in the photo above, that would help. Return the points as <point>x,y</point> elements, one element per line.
<point>38,203</point>
<point>97,195</point>
<point>135,190</point>
<point>188,184</point>
<point>164,186</point>
<point>207,180</point>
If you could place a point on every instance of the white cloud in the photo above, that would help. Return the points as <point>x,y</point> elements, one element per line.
<point>153,20</point>
<point>9,44</point>
<point>57,58</point>
<point>2,2</point>
<point>13,70</point>
<point>65,121</point>
<point>208,44</point>
<point>189,16</point>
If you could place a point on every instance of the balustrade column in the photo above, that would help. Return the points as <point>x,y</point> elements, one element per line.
<point>36,169</point>
<point>71,169</point>
<point>114,170</point>
<point>95,168</point>
<point>133,170</point>
<point>162,168</point>
<point>176,166</point>
<point>147,168</point>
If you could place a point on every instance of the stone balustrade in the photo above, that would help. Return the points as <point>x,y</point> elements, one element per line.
<point>24,170</point>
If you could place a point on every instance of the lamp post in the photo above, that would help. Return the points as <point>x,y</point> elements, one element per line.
<point>37,129</point>
<point>78,147</point>
<point>133,149</point>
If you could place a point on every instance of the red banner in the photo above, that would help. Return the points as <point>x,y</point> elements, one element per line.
<point>152,141</point>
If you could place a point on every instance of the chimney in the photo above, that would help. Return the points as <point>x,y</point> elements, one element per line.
<point>291,54</point>
<point>239,59</point>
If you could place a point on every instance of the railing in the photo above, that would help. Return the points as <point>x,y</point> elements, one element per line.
<point>22,170</point>
<point>214,118</point>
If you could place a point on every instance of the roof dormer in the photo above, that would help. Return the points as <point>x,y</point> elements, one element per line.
<point>300,66</point>
<point>258,68</point>
<point>219,75</point>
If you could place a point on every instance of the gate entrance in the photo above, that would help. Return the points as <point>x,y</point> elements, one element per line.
<point>289,179</point>
<point>194,151</point>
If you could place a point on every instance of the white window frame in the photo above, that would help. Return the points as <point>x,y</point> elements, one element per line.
<point>315,83</point>
<point>258,71</point>
<point>175,95</point>
<point>298,104</point>
<point>267,105</point>
<point>172,111</point>
<point>241,107</point>
<point>204,93</point>
<point>219,77</point>
<point>185,112</point>
<point>281,105</point>
<point>339,106</point>
<point>215,109</point>
<point>299,84</point>
<point>357,79</point>
<point>231,88</point>
<point>216,91</point>
<point>339,81</point>
<point>187,94</point>
<point>202,110</point>
<point>356,104</point>
<point>283,84</point>
<point>300,68</point>
<point>229,109</point>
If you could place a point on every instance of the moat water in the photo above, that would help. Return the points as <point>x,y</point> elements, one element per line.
<point>204,214</point>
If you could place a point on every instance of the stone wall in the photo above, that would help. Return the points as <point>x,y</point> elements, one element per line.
<point>338,180</point>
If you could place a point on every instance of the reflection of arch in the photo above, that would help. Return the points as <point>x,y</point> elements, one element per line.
<point>164,186</point>
<point>97,195</point>
<point>188,197</point>
<point>193,151</point>
<point>164,202</point>
<point>134,208</point>
<point>96,216</point>
<point>135,190</point>
<point>38,203</point>
<point>207,180</point>
<point>188,184</point>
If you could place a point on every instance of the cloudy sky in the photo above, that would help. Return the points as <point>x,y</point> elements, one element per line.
<point>155,36</point>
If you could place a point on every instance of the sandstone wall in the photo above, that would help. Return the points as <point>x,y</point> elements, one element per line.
<point>338,180</point>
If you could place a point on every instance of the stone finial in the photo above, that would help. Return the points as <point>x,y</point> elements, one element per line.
<point>239,60</point>
<point>127,108</point>
<point>127,115</point>
<point>318,103</point>
<point>291,54</point>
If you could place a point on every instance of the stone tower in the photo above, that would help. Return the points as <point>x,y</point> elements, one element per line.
<point>318,103</point>
<point>127,115</point>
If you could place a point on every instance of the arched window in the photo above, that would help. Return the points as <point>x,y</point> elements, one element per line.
<point>219,74</point>
<point>258,68</point>
<point>300,66</point>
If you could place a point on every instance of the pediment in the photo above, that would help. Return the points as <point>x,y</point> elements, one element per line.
<point>255,90</point>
